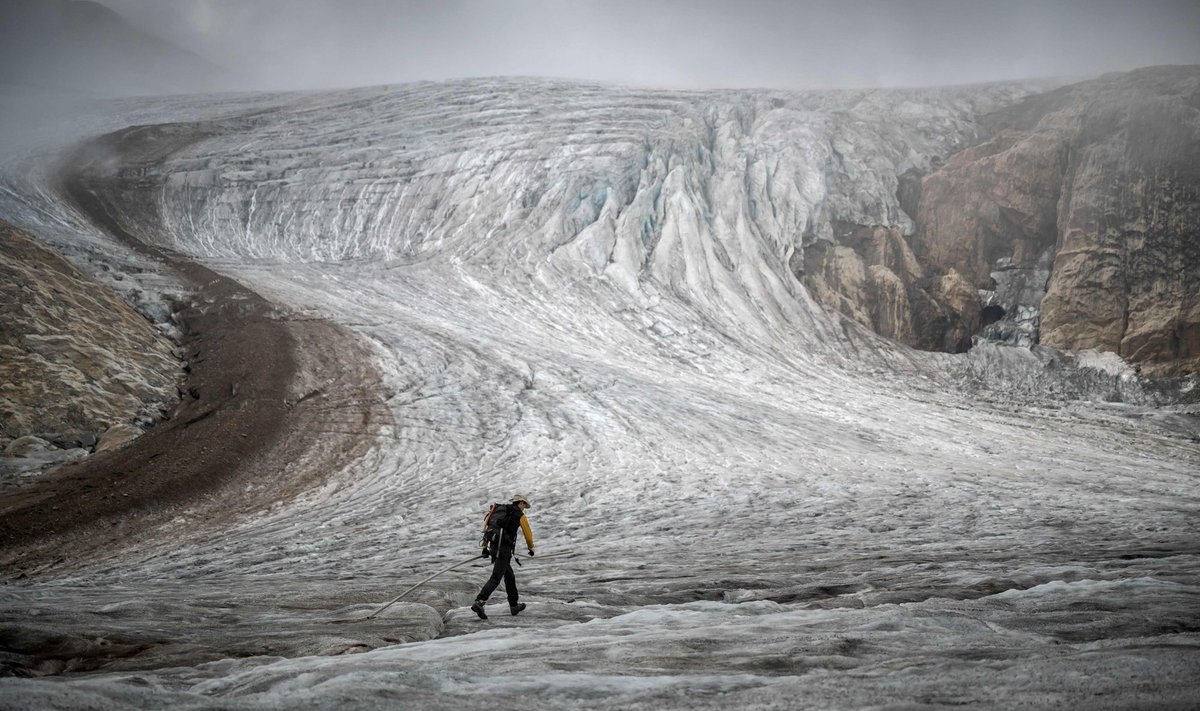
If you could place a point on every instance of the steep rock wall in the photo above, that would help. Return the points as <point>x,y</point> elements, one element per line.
<point>1077,220</point>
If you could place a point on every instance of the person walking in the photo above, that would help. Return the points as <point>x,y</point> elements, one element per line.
<point>500,541</point>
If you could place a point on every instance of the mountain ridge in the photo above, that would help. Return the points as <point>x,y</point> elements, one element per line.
<point>80,46</point>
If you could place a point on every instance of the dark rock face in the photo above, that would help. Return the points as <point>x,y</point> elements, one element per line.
<point>1078,219</point>
<point>1075,223</point>
<point>873,276</point>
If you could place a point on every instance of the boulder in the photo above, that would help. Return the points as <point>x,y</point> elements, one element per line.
<point>27,446</point>
<point>117,436</point>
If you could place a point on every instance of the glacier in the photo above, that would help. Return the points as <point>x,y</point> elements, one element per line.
<point>589,294</point>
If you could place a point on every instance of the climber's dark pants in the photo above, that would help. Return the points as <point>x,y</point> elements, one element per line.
<point>501,570</point>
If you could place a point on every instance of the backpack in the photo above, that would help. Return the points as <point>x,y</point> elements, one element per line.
<point>494,527</point>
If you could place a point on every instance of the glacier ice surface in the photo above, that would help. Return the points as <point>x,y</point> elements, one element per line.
<point>584,293</point>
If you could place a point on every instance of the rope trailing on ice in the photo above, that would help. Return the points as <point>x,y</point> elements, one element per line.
<point>447,569</point>
<point>431,577</point>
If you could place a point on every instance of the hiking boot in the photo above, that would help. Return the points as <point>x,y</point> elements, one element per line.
<point>516,609</point>
<point>477,608</point>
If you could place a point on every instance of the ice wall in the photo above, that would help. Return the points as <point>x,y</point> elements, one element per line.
<point>712,195</point>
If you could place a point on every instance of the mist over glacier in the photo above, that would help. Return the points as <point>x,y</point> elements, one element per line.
<point>589,294</point>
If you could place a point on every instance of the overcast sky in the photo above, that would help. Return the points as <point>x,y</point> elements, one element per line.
<point>674,43</point>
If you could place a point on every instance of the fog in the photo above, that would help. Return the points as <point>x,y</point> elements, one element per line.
<point>289,44</point>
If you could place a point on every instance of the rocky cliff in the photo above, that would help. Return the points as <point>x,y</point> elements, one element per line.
<point>1073,223</point>
<point>79,368</point>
